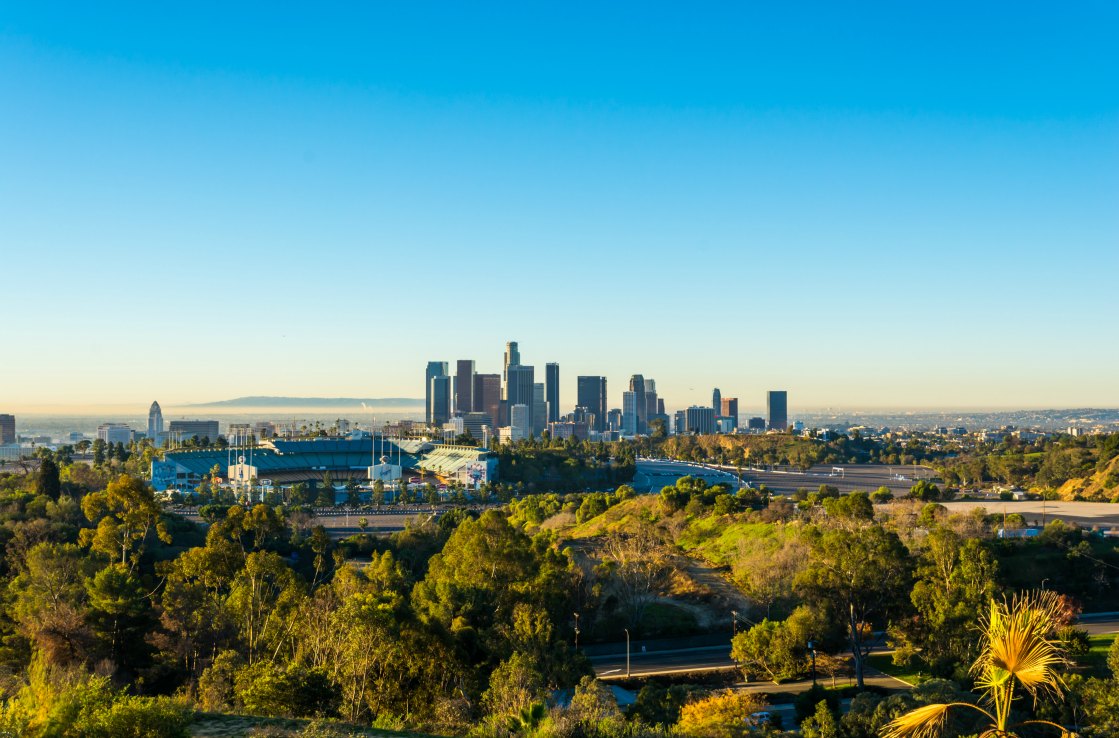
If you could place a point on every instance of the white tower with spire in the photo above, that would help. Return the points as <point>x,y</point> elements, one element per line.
<point>155,423</point>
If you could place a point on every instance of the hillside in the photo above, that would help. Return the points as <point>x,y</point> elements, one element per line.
<point>1101,486</point>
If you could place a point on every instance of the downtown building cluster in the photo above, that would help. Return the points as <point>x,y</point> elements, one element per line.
<point>513,405</point>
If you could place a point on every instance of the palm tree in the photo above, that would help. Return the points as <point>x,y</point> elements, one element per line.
<point>1020,651</point>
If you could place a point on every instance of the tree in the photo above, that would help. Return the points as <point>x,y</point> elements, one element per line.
<point>1017,653</point>
<point>47,483</point>
<point>126,515</point>
<point>722,715</point>
<point>861,574</point>
<point>638,567</point>
<point>768,649</point>
<point>822,724</point>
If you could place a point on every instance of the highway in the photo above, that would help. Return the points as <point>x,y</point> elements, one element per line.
<point>653,474</point>
<point>712,653</point>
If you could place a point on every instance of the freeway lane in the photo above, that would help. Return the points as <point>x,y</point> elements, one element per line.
<point>609,660</point>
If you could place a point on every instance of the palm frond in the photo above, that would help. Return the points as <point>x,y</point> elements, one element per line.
<point>927,721</point>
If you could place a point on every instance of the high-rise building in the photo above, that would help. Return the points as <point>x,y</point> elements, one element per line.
<point>660,406</point>
<point>730,410</point>
<point>716,401</point>
<point>182,430</point>
<point>680,423</point>
<point>519,389</point>
<point>155,423</point>
<point>756,424</point>
<point>464,387</point>
<point>120,433</point>
<point>591,394</point>
<point>700,420</point>
<point>512,358</point>
<point>478,425</point>
<point>637,387</point>
<point>650,400</point>
<point>520,420</point>
<point>7,429</point>
<point>434,369</point>
<point>630,418</point>
<point>539,408</point>
<point>439,407</point>
<point>777,408</point>
<point>487,397</point>
<point>552,393</point>
<point>614,419</point>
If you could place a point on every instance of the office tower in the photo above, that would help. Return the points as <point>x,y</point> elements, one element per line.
<point>637,387</point>
<point>539,408</point>
<point>700,420</point>
<point>614,419</point>
<point>680,423</point>
<point>777,408</point>
<point>487,397</point>
<point>478,425</point>
<point>439,392</point>
<point>716,401</point>
<point>121,433</point>
<point>650,400</point>
<point>434,369</point>
<point>630,418</point>
<point>518,389</point>
<point>183,429</point>
<point>512,358</point>
<point>464,387</point>
<point>591,394</point>
<point>155,423</point>
<point>7,429</point>
<point>520,420</point>
<point>660,406</point>
<point>730,410</point>
<point>551,381</point>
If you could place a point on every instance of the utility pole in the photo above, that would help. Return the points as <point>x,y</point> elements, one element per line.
<point>627,651</point>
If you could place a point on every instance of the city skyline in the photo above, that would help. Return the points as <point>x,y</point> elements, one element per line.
<point>911,208</point>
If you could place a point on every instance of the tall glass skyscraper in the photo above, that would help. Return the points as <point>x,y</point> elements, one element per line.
<point>434,369</point>
<point>777,408</point>
<point>551,391</point>
<point>591,394</point>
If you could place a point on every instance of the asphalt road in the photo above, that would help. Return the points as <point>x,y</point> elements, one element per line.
<point>680,656</point>
<point>652,474</point>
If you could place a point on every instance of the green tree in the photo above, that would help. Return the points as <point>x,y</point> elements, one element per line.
<point>47,483</point>
<point>861,575</point>
<point>127,516</point>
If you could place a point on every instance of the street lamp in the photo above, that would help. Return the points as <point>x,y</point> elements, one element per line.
<point>734,622</point>
<point>576,631</point>
<point>812,650</point>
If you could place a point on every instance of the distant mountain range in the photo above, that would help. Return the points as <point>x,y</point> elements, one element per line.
<point>347,402</point>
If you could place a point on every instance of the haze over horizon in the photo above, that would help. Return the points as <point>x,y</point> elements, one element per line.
<point>911,208</point>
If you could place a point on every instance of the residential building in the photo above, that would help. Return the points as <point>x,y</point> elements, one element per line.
<point>591,394</point>
<point>552,390</point>
<point>434,369</point>
<point>777,408</point>
<point>464,386</point>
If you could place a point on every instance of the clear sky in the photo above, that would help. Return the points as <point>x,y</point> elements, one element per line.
<point>914,204</point>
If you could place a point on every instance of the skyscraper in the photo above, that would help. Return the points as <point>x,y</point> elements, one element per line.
<point>464,387</point>
<point>434,369</point>
<point>519,420</point>
<point>716,401</point>
<point>439,409</point>
<point>629,411</point>
<point>700,420</point>
<point>730,410</point>
<point>539,408</point>
<point>519,390</point>
<point>650,400</point>
<point>551,381</point>
<point>155,423</point>
<point>7,429</point>
<point>777,408</point>
<point>487,397</point>
<point>512,358</point>
<point>591,394</point>
<point>637,387</point>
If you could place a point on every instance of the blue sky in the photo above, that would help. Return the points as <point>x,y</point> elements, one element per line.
<point>907,204</point>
